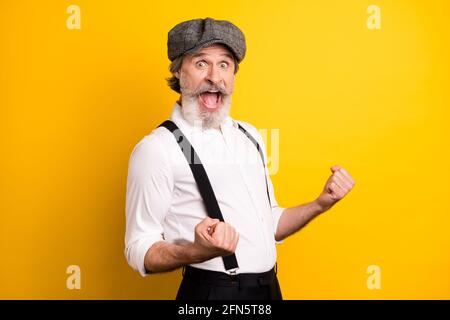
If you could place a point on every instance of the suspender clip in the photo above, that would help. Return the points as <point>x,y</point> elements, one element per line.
<point>233,272</point>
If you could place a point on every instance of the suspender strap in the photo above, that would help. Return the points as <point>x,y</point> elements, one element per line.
<point>262,157</point>
<point>201,178</point>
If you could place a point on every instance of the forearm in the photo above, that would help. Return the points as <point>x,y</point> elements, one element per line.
<point>295,218</point>
<point>163,256</point>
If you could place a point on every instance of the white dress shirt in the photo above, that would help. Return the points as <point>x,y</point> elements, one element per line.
<point>163,201</point>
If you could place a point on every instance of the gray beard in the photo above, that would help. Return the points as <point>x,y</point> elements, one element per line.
<point>205,119</point>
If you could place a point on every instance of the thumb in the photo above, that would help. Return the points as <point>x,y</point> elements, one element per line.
<point>335,168</point>
<point>212,227</point>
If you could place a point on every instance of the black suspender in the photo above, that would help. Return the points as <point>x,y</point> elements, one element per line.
<point>201,178</point>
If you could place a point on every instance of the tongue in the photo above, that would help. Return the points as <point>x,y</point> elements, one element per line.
<point>210,99</point>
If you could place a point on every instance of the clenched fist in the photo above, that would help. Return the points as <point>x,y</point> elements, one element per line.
<point>337,186</point>
<point>214,238</point>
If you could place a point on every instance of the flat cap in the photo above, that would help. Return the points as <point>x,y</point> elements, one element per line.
<point>193,34</point>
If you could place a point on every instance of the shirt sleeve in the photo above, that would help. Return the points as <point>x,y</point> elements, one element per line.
<point>277,211</point>
<point>148,198</point>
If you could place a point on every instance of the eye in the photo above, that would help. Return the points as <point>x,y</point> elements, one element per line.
<point>223,65</point>
<point>201,64</point>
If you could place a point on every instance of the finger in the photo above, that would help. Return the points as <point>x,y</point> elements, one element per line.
<point>217,234</point>
<point>338,193</point>
<point>233,236</point>
<point>208,236</point>
<point>235,241</point>
<point>208,221</point>
<point>331,188</point>
<point>214,224</point>
<point>341,178</point>
<point>205,232</point>
<point>335,168</point>
<point>215,228</point>
<point>225,234</point>
<point>337,181</point>
<point>201,227</point>
<point>334,190</point>
<point>348,176</point>
<point>349,183</point>
<point>226,238</point>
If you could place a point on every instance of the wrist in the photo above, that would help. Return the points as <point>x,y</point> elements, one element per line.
<point>320,205</point>
<point>197,253</point>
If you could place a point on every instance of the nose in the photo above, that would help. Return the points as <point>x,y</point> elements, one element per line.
<point>213,76</point>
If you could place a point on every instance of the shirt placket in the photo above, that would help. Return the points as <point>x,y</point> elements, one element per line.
<point>229,134</point>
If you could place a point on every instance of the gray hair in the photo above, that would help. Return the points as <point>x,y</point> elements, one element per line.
<point>175,66</point>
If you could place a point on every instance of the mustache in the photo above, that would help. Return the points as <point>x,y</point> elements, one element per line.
<point>207,87</point>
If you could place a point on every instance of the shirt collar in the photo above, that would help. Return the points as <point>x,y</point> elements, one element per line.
<point>185,126</point>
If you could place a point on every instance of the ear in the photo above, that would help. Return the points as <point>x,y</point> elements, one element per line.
<point>177,74</point>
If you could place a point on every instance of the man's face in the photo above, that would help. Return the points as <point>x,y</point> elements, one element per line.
<point>207,82</point>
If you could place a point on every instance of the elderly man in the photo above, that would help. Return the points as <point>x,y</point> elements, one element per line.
<point>198,192</point>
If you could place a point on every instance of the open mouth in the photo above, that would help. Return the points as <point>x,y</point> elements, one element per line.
<point>211,99</point>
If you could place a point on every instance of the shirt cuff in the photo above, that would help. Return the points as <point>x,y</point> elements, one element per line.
<point>142,249</point>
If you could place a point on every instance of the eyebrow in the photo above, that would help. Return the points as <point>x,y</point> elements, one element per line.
<point>196,55</point>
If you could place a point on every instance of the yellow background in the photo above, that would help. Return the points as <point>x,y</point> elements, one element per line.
<point>73,103</point>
